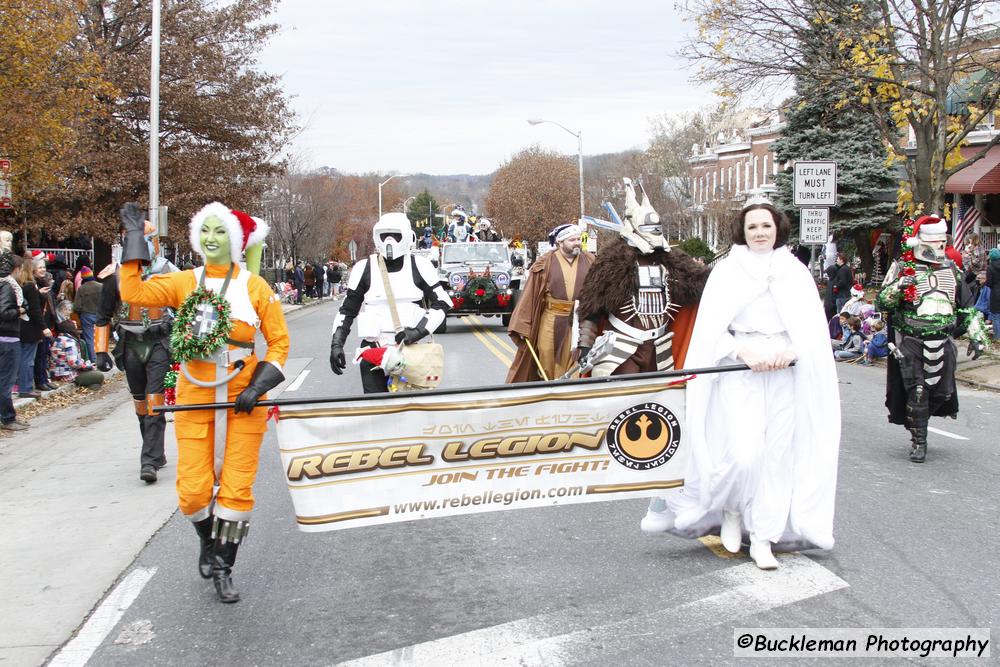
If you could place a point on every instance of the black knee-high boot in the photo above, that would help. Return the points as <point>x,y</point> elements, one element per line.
<point>227,536</point>
<point>204,528</point>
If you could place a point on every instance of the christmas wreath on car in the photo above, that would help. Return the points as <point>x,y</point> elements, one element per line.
<point>202,326</point>
<point>480,288</point>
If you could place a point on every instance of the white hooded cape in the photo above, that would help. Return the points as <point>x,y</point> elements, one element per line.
<point>735,283</point>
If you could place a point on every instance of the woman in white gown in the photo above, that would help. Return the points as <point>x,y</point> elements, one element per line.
<point>763,443</point>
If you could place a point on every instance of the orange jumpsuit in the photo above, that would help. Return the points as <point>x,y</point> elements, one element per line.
<point>196,429</point>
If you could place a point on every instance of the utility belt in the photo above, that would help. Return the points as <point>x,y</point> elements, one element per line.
<point>137,331</point>
<point>152,313</point>
<point>558,306</point>
<point>642,335</point>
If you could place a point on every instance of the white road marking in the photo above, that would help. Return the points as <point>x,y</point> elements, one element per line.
<point>579,635</point>
<point>294,386</point>
<point>79,650</point>
<point>946,433</point>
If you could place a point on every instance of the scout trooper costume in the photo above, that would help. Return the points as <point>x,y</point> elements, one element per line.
<point>421,302</point>
<point>638,288</point>
<point>928,304</point>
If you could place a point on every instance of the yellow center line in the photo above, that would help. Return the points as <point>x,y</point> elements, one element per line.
<point>478,333</point>
<point>506,344</point>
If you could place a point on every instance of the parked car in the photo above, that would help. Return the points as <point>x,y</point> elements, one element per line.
<point>480,279</point>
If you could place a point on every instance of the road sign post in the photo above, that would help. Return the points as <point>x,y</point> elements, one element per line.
<point>6,198</point>
<point>814,225</point>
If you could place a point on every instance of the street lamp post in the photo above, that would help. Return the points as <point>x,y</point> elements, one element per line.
<point>579,150</point>
<point>380,191</point>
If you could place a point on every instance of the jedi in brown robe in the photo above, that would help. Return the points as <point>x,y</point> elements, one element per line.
<point>544,316</point>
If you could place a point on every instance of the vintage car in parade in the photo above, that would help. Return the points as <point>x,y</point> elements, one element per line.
<point>481,279</point>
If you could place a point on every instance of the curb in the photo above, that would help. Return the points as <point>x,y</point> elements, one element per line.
<point>61,389</point>
<point>291,308</point>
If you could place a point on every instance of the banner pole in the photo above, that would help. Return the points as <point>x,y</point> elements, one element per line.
<point>282,402</point>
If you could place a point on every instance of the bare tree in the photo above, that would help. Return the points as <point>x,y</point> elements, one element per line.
<point>903,59</point>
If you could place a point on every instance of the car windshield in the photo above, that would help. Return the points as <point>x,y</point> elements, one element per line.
<point>458,253</point>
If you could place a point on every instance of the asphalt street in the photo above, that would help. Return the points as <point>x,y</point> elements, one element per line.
<point>574,584</point>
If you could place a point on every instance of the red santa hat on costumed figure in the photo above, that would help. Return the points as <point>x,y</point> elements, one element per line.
<point>928,228</point>
<point>857,290</point>
<point>244,230</point>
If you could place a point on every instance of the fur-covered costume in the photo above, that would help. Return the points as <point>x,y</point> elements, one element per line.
<point>611,290</point>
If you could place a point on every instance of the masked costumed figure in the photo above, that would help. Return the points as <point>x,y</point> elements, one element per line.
<point>142,352</point>
<point>485,231</point>
<point>642,290</point>
<point>542,322</point>
<point>220,308</point>
<point>460,230</point>
<point>421,302</point>
<point>928,304</point>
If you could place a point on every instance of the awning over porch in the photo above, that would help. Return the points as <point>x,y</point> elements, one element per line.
<point>982,177</point>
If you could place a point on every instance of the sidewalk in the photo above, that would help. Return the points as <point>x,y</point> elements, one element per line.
<point>75,516</point>
<point>983,373</point>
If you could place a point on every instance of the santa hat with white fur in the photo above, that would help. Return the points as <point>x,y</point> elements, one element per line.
<point>928,228</point>
<point>244,230</point>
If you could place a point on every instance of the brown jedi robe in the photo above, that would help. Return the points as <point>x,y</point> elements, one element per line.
<point>527,315</point>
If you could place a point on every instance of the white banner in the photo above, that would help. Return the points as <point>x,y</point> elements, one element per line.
<point>402,457</point>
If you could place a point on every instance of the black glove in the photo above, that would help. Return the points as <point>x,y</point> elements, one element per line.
<point>337,360</point>
<point>265,377</point>
<point>975,350</point>
<point>583,352</point>
<point>410,335</point>
<point>104,362</point>
<point>134,225</point>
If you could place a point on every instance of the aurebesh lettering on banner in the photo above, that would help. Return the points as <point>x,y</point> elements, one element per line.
<point>419,456</point>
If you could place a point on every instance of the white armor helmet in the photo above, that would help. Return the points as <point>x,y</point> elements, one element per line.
<point>930,233</point>
<point>393,235</point>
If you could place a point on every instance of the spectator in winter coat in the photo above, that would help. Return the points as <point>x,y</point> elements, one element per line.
<point>11,297</point>
<point>877,347</point>
<point>993,282</point>
<point>849,348</point>
<point>43,280</point>
<point>300,282</point>
<point>32,329</point>
<point>309,278</point>
<point>87,304</point>
<point>843,279</point>
<point>68,364</point>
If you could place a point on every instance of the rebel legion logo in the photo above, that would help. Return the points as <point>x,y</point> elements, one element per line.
<point>644,436</point>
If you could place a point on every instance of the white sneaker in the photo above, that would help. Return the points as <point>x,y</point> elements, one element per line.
<point>732,531</point>
<point>657,519</point>
<point>760,552</point>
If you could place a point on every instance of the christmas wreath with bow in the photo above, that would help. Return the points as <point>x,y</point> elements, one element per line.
<point>184,344</point>
<point>480,288</point>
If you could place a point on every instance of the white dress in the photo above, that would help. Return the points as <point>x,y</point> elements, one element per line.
<point>762,444</point>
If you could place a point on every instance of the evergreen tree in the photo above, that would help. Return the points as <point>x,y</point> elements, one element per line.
<point>819,126</point>
<point>422,209</point>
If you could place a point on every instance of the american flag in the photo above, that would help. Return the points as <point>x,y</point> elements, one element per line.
<point>967,218</point>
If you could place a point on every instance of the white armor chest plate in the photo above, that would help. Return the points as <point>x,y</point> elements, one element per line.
<point>936,290</point>
<point>375,319</point>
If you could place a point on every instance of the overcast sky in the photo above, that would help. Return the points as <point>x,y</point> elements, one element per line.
<point>446,86</point>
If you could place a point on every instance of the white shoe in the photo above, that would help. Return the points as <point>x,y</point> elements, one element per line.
<point>657,519</point>
<point>732,531</point>
<point>760,552</point>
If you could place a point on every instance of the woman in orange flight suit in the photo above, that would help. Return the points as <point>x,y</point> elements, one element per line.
<point>217,448</point>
